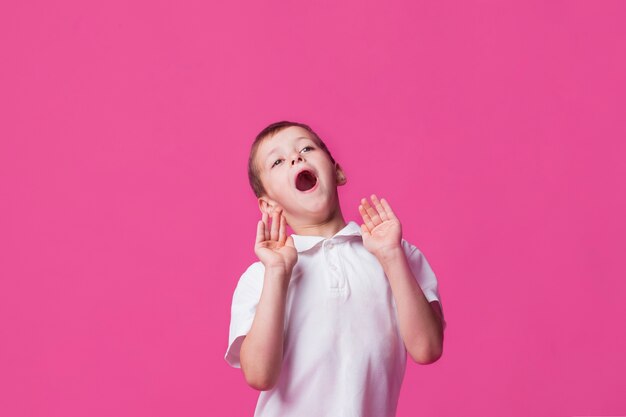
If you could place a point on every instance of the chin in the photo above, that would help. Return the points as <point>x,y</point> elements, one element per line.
<point>323,210</point>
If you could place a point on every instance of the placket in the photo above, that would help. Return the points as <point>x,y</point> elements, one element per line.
<point>336,277</point>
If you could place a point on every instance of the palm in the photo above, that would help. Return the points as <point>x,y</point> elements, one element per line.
<point>272,246</point>
<point>382,229</point>
<point>273,253</point>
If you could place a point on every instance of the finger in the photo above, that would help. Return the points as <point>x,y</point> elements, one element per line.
<point>371,211</point>
<point>381,210</point>
<point>275,224</point>
<point>266,233</point>
<point>365,230</point>
<point>260,234</point>
<point>282,235</point>
<point>366,217</point>
<point>388,210</point>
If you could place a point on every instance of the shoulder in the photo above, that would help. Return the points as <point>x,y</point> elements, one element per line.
<point>255,268</point>
<point>252,275</point>
<point>409,248</point>
<point>416,257</point>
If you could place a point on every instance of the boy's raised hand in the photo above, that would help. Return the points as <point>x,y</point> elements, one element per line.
<point>273,247</point>
<point>382,230</point>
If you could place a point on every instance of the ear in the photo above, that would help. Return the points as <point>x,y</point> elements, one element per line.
<point>267,205</point>
<point>340,175</point>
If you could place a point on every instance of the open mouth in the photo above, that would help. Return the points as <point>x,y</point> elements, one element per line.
<point>305,180</point>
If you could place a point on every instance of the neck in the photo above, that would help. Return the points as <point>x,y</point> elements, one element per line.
<point>326,228</point>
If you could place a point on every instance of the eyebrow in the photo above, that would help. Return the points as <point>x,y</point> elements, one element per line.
<point>276,147</point>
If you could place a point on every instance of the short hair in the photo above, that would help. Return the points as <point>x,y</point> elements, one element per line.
<point>253,170</point>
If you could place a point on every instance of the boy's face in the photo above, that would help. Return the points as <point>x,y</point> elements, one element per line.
<point>298,177</point>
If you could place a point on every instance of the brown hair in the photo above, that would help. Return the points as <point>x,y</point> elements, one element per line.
<point>253,172</point>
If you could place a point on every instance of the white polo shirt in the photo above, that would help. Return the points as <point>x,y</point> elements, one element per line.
<point>343,354</point>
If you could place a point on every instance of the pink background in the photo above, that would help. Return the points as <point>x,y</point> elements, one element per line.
<point>495,129</point>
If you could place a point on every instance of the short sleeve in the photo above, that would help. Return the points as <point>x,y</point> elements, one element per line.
<point>244,302</point>
<point>424,274</point>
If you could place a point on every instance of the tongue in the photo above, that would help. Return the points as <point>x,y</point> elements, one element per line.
<point>305,181</point>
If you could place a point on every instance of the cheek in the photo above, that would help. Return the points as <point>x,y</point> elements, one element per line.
<point>280,179</point>
<point>329,172</point>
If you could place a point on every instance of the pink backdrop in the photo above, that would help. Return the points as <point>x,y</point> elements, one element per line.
<point>496,131</point>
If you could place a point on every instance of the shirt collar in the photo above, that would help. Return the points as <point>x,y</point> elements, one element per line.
<point>303,242</point>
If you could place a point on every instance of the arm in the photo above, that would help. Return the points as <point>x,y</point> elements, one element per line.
<point>261,352</point>
<point>262,348</point>
<point>420,322</point>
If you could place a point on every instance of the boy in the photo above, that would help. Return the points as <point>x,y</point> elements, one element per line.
<point>321,324</point>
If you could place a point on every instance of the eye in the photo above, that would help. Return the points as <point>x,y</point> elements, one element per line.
<point>278,160</point>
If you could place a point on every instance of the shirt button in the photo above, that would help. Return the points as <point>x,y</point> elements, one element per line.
<point>333,267</point>
<point>330,245</point>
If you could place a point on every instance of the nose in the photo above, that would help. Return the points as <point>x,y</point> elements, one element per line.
<point>297,159</point>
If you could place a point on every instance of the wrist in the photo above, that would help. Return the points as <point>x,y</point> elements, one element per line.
<point>278,269</point>
<point>390,254</point>
<point>279,274</point>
